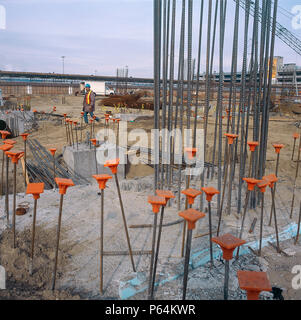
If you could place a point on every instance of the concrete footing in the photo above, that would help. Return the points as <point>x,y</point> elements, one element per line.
<point>83,160</point>
<point>18,121</point>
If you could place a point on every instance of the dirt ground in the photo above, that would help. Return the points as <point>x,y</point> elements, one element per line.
<point>52,134</point>
<point>19,283</point>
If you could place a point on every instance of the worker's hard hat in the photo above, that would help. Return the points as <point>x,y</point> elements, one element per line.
<point>88,86</point>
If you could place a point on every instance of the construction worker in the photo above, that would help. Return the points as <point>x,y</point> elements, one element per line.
<point>89,104</point>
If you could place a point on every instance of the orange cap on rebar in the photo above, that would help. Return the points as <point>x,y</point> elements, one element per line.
<point>10,142</point>
<point>166,194</point>
<point>112,164</point>
<point>118,119</point>
<point>91,120</point>
<point>52,151</point>
<point>82,113</point>
<point>64,184</point>
<point>253,145</point>
<point>231,137</point>
<point>228,244</point>
<point>24,136</point>
<point>296,135</point>
<point>278,147</point>
<point>102,180</point>
<point>75,122</point>
<point>253,282</point>
<point>4,134</point>
<point>191,152</point>
<point>6,147</point>
<point>54,108</point>
<point>271,178</point>
<point>94,142</point>
<point>191,194</point>
<point>156,202</point>
<point>191,216</point>
<point>210,192</point>
<point>262,184</point>
<point>35,189</point>
<point>65,115</point>
<point>34,111</point>
<point>251,183</point>
<point>22,109</point>
<point>15,156</point>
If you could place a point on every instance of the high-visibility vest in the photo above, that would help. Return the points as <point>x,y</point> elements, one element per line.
<point>88,99</point>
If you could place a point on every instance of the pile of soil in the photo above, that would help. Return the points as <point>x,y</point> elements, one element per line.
<point>20,285</point>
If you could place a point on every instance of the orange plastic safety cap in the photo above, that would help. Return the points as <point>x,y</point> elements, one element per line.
<point>278,147</point>
<point>15,156</point>
<point>4,134</point>
<point>166,194</point>
<point>156,202</point>
<point>102,180</point>
<point>112,164</point>
<point>191,152</point>
<point>35,189</point>
<point>251,183</point>
<point>24,136</point>
<point>52,151</point>
<point>64,184</point>
<point>6,147</point>
<point>210,192</point>
<point>94,141</point>
<point>228,243</point>
<point>253,282</point>
<point>191,194</point>
<point>231,137</point>
<point>271,178</point>
<point>252,145</point>
<point>11,142</point>
<point>296,135</point>
<point>191,216</point>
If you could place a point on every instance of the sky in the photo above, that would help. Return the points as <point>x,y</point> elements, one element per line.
<point>99,36</point>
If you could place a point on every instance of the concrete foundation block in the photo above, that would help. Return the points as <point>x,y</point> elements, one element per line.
<point>83,160</point>
<point>18,121</point>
